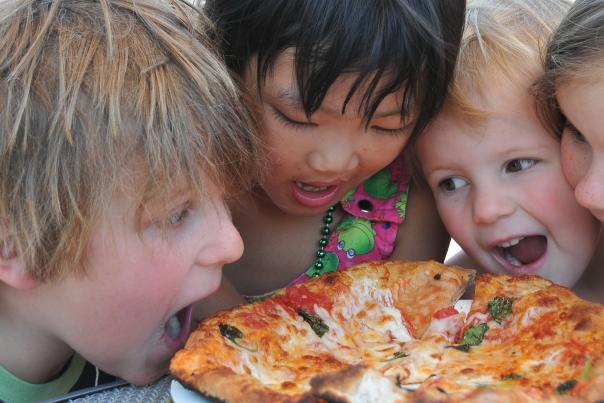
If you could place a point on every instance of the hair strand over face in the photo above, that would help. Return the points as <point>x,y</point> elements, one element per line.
<point>94,93</point>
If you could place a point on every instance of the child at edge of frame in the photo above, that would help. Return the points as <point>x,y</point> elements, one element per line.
<point>115,161</point>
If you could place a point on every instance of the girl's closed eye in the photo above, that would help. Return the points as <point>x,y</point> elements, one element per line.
<point>520,164</point>
<point>450,185</point>
<point>289,122</point>
<point>394,131</point>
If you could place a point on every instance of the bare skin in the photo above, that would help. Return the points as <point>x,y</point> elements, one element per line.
<point>279,246</point>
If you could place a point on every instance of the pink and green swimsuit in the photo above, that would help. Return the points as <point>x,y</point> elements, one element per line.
<point>372,213</point>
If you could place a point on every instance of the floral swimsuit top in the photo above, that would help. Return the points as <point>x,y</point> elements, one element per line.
<point>372,214</point>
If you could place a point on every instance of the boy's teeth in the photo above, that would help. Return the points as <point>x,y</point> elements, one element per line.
<point>309,188</point>
<point>173,327</point>
<point>511,242</point>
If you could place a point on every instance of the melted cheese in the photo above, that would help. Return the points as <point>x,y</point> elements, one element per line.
<point>369,324</point>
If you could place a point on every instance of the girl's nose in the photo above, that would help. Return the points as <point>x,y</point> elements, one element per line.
<point>589,191</point>
<point>334,158</point>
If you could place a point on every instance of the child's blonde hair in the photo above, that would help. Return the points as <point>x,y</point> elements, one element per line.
<point>91,90</point>
<point>575,51</point>
<point>505,38</point>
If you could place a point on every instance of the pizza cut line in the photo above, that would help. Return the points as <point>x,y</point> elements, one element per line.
<point>389,332</point>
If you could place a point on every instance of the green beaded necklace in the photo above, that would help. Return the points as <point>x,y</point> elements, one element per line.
<point>325,231</point>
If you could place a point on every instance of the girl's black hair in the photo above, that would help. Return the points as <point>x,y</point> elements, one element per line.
<point>409,44</point>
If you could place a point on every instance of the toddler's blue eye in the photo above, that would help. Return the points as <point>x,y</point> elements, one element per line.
<point>452,184</point>
<point>520,165</point>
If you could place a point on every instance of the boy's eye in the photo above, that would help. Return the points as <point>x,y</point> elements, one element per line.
<point>177,217</point>
<point>519,165</point>
<point>287,121</point>
<point>574,132</point>
<point>452,184</point>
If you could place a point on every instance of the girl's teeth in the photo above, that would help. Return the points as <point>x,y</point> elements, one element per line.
<point>173,327</point>
<point>511,242</point>
<point>309,188</point>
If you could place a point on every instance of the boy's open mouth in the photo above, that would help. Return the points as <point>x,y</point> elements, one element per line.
<point>178,326</point>
<point>522,251</point>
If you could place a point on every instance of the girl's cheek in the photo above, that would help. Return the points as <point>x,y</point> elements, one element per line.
<point>573,160</point>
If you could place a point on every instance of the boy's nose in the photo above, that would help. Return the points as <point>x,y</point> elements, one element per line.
<point>227,245</point>
<point>490,205</point>
<point>334,158</point>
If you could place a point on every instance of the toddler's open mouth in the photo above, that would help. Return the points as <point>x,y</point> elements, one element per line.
<point>520,254</point>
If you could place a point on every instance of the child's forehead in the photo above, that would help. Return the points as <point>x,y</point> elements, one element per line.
<point>281,84</point>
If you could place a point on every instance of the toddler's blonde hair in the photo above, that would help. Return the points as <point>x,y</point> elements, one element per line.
<point>502,38</point>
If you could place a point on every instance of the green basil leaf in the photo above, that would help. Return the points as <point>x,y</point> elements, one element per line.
<point>566,387</point>
<point>235,335</point>
<point>475,334</point>
<point>511,377</point>
<point>397,355</point>
<point>500,308</point>
<point>316,323</point>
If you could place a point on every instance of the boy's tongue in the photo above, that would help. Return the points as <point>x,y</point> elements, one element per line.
<point>528,249</point>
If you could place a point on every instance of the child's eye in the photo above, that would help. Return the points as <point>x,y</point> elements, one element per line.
<point>393,132</point>
<point>287,121</point>
<point>452,184</point>
<point>574,132</point>
<point>177,217</point>
<point>520,165</point>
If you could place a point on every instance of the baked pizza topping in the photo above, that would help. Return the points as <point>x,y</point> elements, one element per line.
<point>316,324</point>
<point>234,335</point>
<point>566,387</point>
<point>500,308</point>
<point>385,332</point>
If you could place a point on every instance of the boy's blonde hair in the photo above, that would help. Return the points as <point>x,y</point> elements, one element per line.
<point>502,38</point>
<point>91,90</point>
<point>575,52</point>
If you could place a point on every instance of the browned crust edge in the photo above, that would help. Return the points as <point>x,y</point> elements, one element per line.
<point>225,385</point>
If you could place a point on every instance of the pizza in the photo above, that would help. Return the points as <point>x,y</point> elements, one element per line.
<point>390,332</point>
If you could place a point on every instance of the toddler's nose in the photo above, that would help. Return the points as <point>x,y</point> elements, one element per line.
<point>490,205</point>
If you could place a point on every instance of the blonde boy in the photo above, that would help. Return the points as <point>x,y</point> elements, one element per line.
<point>119,136</point>
<point>491,163</point>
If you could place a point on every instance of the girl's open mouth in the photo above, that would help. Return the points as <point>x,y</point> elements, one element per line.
<point>314,195</point>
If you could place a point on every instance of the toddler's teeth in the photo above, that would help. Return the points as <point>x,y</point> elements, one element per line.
<point>511,242</point>
<point>511,259</point>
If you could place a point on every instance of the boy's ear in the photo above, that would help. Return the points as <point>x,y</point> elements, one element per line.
<point>12,269</point>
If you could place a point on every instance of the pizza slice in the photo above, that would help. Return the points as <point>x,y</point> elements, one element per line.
<point>523,334</point>
<point>269,350</point>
